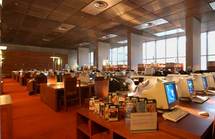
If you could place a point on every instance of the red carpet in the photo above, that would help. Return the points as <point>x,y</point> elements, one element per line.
<point>32,119</point>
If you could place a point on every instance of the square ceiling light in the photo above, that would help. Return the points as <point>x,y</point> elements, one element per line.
<point>150,24</point>
<point>98,6</point>
<point>108,36</point>
<point>123,42</point>
<point>169,32</point>
<point>212,5</point>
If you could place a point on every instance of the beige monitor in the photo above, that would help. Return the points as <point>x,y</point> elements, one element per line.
<point>210,80</point>
<point>163,92</point>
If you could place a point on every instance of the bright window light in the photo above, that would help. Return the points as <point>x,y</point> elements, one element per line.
<point>123,41</point>
<point>169,32</point>
<point>3,47</point>
<point>1,2</point>
<point>212,4</point>
<point>153,23</point>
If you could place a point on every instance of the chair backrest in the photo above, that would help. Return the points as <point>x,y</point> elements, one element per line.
<point>70,86</point>
<point>41,78</point>
<point>101,87</point>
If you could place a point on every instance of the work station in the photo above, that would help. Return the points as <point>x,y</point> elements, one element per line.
<point>107,69</point>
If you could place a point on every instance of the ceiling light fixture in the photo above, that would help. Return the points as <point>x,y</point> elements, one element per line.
<point>46,39</point>
<point>108,36</point>
<point>84,44</point>
<point>153,23</point>
<point>212,5</point>
<point>123,42</point>
<point>169,32</point>
<point>3,47</point>
<point>100,4</point>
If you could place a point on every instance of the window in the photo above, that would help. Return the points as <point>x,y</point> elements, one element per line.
<point>91,58</point>
<point>207,48</point>
<point>160,49</point>
<point>165,51</point>
<point>118,56</point>
<point>171,48</point>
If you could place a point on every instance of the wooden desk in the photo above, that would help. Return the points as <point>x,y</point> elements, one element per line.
<point>192,126</point>
<point>51,94</point>
<point>6,125</point>
<point>92,126</point>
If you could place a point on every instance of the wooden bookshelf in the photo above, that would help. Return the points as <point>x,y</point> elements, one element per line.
<point>91,126</point>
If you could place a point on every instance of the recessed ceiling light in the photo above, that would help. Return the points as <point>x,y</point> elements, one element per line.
<point>151,24</point>
<point>100,4</point>
<point>46,39</point>
<point>64,28</point>
<point>212,4</point>
<point>108,36</point>
<point>84,44</point>
<point>3,47</point>
<point>169,32</point>
<point>123,41</point>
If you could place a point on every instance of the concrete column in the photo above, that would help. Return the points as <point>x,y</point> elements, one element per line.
<point>135,52</point>
<point>193,43</point>
<point>96,55</point>
<point>83,56</point>
<point>103,53</point>
<point>129,50</point>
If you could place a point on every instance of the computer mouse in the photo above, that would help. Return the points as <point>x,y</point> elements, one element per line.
<point>204,113</point>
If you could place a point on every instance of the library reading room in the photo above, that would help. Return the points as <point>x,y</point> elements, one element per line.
<point>107,69</point>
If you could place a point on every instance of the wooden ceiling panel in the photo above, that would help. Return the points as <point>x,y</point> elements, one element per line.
<point>13,20</point>
<point>47,25</point>
<point>38,11</point>
<point>119,9</point>
<point>30,23</point>
<point>77,4</point>
<point>107,25</point>
<point>160,4</point>
<point>47,4</point>
<point>141,2</point>
<point>16,6</point>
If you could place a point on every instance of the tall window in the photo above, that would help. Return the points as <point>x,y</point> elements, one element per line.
<point>165,51</point>
<point>118,56</point>
<point>207,48</point>
<point>91,58</point>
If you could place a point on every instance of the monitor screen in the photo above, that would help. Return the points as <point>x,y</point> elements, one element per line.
<point>190,86</point>
<point>205,83</point>
<point>170,92</point>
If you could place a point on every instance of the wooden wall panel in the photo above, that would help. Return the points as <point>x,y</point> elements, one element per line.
<point>27,60</point>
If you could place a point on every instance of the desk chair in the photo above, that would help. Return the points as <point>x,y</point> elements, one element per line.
<point>71,91</point>
<point>101,87</point>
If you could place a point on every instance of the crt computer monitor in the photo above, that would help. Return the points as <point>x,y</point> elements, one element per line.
<point>205,83</point>
<point>163,92</point>
<point>198,82</point>
<point>190,86</point>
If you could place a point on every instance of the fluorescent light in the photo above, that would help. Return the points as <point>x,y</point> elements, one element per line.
<point>108,36</point>
<point>55,57</point>
<point>212,4</point>
<point>150,24</point>
<point>169,32</point>
<point>84,44</point>
<point>3,47</point>
<point>122,42</point>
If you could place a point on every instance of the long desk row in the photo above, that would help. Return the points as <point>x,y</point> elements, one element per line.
<point>192,126</point>
<point>51,94</point>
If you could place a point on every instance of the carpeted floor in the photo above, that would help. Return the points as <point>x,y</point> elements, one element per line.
<point>32,119</point>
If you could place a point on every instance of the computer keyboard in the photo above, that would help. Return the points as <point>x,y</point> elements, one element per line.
<point>210,92</point>
<point>175,115</point>
<point>199,99</point>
